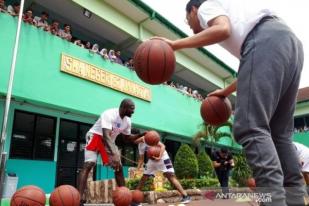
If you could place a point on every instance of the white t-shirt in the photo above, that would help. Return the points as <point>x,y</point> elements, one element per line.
<point>142,148</point>
<point>39,23</point>
<point>111,120</point>
<point>243,15</point>
<point>303,154</point>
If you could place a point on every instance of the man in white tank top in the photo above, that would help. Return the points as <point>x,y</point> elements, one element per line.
<point>271,59</point>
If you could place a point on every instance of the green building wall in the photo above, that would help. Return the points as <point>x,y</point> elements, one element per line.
<point>38,79</point>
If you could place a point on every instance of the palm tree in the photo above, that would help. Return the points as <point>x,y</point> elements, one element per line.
<point>212,134</point>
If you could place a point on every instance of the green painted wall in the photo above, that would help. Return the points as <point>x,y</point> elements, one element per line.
<point>302,138</point>
<point>40,173</point>
<point>38,79</point>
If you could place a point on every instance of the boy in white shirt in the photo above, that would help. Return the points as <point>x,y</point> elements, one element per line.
<point>162,163</point>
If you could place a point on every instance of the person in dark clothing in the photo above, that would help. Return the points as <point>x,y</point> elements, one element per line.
<point>223,163</point>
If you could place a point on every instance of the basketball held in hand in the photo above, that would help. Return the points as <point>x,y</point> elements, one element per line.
<point>153,151</point>
<point>152,138</point>
<point>154,61</point>
<point>216,110</point>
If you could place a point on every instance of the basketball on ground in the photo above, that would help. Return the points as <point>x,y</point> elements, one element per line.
<point>153,151</point>
<point>152,138</point>
<point>28,196</point>
<point>122,196</point>
<point>64,195</point>
<point>216,110</point>
<point>137,196</point>
<point>154,61</point>
<point>251,183</point>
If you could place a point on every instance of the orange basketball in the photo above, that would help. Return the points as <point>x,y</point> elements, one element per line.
<point>64,195</point>
<point>137,196</point>
<point>122,196</point>
<point>216,110</point>
<point>251,183</point>
<point>28,196</point>
<point>154,61</point>
<point>152,138</point>
<point>153,151</point>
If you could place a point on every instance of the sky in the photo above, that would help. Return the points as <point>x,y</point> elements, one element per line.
<point>294,13</point>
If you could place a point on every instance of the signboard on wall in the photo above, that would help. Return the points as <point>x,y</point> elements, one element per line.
<point>84,70</point>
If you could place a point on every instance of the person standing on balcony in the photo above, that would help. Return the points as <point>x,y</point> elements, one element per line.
<point>101,139</point>
<point>14,10</point>
<point>66,33</point>
<point>41,22</point>
<point>271,60</point>
<point>3,8</point>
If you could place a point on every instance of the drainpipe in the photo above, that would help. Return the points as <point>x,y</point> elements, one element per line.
<point>8,100</point>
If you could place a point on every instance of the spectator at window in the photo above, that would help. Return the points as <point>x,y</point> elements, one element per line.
<point>118,58</point>
<point>3,8</point>
<point>88,45</point>
<point>306,129</point>
<point>95,49</point>
<point>104,54</point>
<point>112,56</point>
<point>14,10</point>
<point>65,33</point>
<point>195,94</point>
<point>189,91</point>
<point>130,64</point>
<point>41,22</point>
<point>27,17</point>
<point>53,28</point>
<point>78,42</point>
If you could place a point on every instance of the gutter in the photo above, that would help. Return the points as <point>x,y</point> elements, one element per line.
<point>154,15</point>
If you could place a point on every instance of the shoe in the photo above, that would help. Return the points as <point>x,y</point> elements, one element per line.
<point>185,200</point>
<point>135,204</point>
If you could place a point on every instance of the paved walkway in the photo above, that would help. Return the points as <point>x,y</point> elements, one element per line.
<point>217,202</point>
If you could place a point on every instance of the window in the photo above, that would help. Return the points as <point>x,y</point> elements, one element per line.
<point>33,136</point>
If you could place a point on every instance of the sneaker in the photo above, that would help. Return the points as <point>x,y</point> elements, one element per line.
<point>185,200</point>
<point>135,204</point>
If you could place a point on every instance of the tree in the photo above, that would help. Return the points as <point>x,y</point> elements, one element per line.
<point>185,164</point>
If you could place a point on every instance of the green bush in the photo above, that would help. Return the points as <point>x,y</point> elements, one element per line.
<point>206,182</point>
<point>204,165</point>
<point>241,170</point>
<point>186,166</point>
<point>194,183</point>
<point>148,186</point>
<point>188,183</point>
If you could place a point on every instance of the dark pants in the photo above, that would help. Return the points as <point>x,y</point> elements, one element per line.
<point>223,177</point>
<point>268,80</point>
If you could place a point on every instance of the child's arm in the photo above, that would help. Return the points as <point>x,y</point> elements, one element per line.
<point>140,162</point>
<point>162,147</point>
<point>139,140</point>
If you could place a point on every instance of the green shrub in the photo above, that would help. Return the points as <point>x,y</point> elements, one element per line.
<point>204,165</point>
<point>188,183</point>
<point>241,170</point>
<point>194,183</point>
<point>148,186</point>
<point>186,166</point>
<point>206,182</point>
